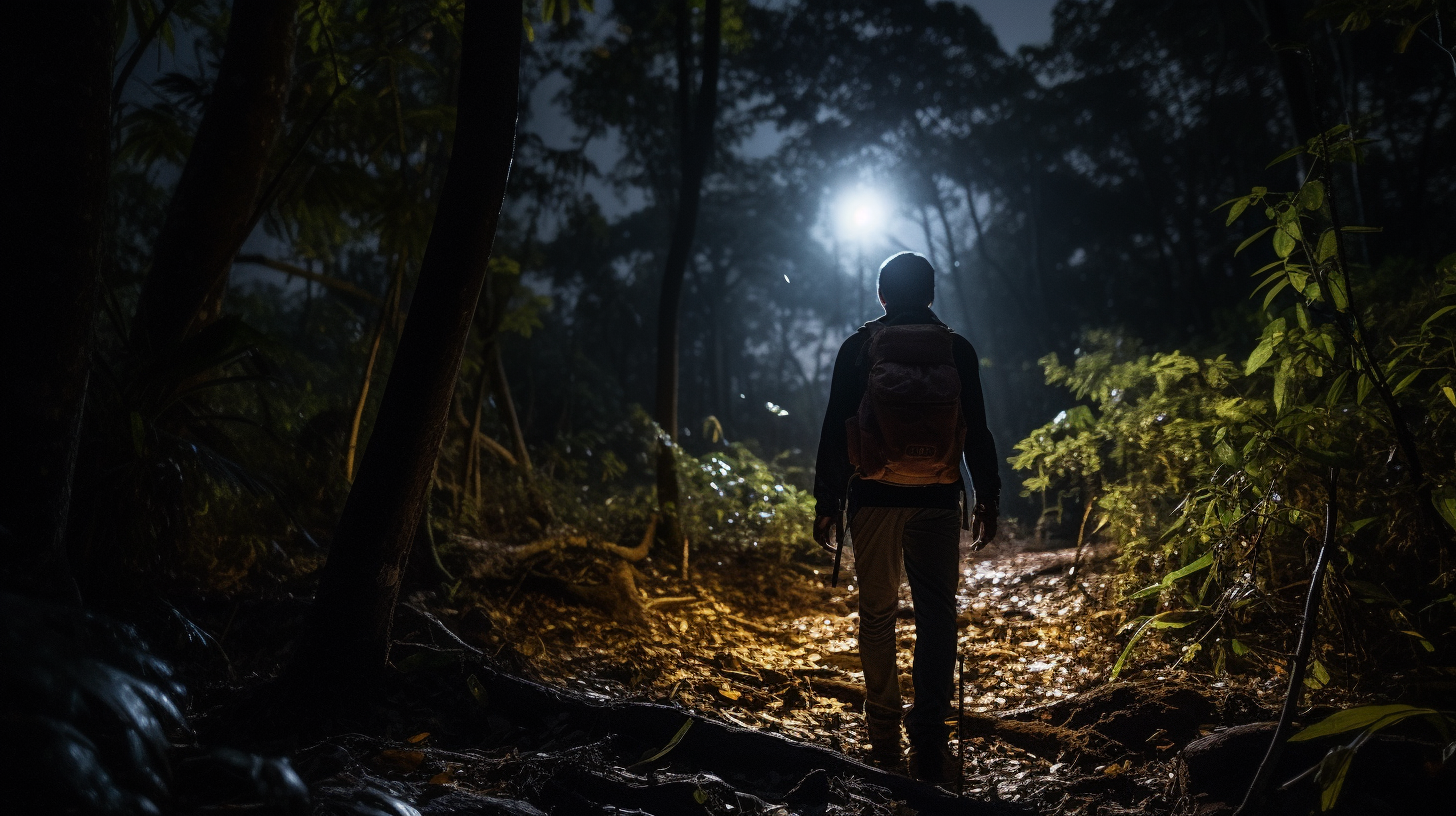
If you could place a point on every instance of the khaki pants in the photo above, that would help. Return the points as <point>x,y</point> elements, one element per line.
<point>927,543</point>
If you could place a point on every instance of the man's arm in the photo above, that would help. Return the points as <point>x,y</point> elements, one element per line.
<point>980,445</point>
<point>831,467</point>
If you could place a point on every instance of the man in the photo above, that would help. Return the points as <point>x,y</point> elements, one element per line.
<point>905,405</point>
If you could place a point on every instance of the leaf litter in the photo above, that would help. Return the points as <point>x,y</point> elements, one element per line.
<point>765,645</point>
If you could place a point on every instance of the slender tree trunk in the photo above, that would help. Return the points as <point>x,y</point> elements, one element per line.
<point>697,148</point>
<point>57,86</point>
<point>350,625</point>
<point>1298,95</point>
<point>211,210</point>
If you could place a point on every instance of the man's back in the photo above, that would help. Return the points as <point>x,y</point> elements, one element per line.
<point>833,468</point>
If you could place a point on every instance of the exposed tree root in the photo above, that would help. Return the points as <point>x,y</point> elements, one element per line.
<point>765,765</point>
<point>1082,747</point>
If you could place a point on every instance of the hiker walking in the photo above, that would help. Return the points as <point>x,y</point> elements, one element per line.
<point>905,405</point>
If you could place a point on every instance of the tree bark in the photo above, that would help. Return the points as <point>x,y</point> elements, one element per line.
<point>211,210</point>
<point>57,84</point>
<point>350,625</point>
<point>697,148</point>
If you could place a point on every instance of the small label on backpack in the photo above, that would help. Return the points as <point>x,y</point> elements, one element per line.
<point>919,451</point>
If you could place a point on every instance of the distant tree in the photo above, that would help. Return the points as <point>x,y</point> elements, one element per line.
<point>214,204</point>
<point>56,77</point>
<point>350,626</point>
<point>695,123</point>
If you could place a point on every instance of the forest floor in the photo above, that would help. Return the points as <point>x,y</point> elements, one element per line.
<point>575,677</point>
<point>767,646</point>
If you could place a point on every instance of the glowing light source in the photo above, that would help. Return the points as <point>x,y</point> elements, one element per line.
<point>861,213</point>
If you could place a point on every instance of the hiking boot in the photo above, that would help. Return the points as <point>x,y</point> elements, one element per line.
<point>890,758</point>
<point>933,763</point>
<point>887,747</point>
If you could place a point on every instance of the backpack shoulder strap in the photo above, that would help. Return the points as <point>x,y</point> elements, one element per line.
<point>869,329</point>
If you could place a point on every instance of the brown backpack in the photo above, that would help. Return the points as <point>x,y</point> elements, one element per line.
<point>909,429</point>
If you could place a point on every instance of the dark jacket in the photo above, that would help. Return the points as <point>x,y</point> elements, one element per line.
<point>832,470</point>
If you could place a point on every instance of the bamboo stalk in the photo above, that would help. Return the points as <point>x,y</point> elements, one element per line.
<point>391,302</point>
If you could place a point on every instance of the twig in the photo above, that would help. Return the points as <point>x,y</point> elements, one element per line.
<point>144,41</point>
<point>756,627</point>
<point>440,627</point>
<point>296,271</point>
<point>656,602</point>
<point>1301,654</point>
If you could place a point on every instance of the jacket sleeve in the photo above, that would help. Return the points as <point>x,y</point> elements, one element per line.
<point>980,446</point>
<point>831,468</point>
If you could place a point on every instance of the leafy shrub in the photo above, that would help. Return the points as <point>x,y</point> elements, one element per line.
<point>732,499</point>
<point>1212,477</point>
<point>735,500</point>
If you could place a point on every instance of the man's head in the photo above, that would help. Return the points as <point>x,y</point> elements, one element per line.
<point>907,281</point>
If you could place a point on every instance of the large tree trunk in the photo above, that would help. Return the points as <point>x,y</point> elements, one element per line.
<point>211,210</point>
<point>350,626</point>
<point>697,147</point>
<point>57,85</point>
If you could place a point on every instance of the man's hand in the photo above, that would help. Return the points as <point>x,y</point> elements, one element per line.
<point>983,525</point>
<point>824,533</point>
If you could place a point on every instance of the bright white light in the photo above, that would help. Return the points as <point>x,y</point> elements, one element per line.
<point>861,214</point>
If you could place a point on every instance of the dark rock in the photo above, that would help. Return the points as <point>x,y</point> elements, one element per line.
<point>460,803</point>
<point>1391,774</point>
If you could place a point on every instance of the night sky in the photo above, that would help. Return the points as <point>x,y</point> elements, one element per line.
<point>1017,22</point>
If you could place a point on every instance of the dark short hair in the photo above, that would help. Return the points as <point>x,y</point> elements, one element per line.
<point>907,280</point>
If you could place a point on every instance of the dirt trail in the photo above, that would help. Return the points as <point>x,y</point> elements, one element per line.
<point>767,646</point>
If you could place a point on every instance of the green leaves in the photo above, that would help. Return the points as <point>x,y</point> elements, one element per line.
<point>1335,286</point>
<point>1260,356</point>
<point>1443,310</point>
<point>1331,774</point>
<point>1285,156</point>
<point>1444,498</point>
<point>1332,770</point>
<point>1286,238</point>
<point>1251,239</point>
<point>1312,195</point>
<point>1273,335</point>
<point>1201,563</point>
<point>1328,246</point>
<point>1281,384</point>
<point>1162,620</point>
<point>1240,204</point>
<point>650,756</point>
<point>1360,718</point>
